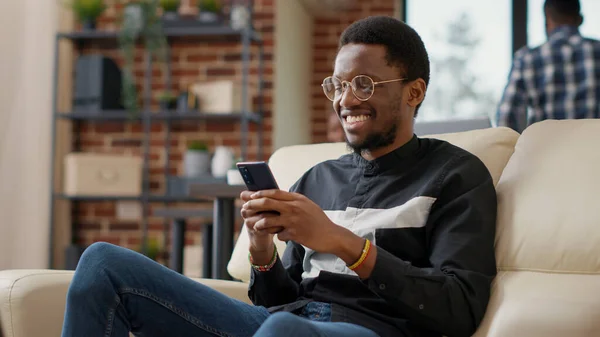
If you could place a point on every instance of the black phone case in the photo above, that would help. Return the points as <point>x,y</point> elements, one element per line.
<point>257,176</point>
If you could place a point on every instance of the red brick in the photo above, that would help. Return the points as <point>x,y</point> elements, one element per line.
<point>195,58</point>
<point>220,71</point>
<point>124,226</point>
<point>109,127</point>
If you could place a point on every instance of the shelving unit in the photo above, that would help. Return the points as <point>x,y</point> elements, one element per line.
<point>247,38</point>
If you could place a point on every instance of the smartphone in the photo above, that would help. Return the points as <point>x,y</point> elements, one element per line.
<point>257,176</point>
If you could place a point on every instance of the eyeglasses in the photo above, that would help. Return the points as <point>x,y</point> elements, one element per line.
<point>363,87</point>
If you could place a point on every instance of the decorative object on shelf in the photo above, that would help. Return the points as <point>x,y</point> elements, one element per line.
<point>140,20</point>
<point>209,11</point>
<point>325,8</point>
<point>153,249</point>
<point>221,161</point>
<point>170,8</point>
<point>241,14</point>
<point>87,12</point>
<point>219,97</point>
<point>234,177</point>
<point>167,101</point>
<point>196,160</point>
<point>93,174</point>
<point>97,84</point>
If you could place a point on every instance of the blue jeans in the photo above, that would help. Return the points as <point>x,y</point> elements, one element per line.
<point>116,291</point>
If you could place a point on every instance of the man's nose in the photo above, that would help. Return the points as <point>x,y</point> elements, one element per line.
<point>348,99</point>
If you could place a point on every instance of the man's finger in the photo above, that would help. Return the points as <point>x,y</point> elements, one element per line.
<point>274,194</point>
<point>264,205</point>
<point>268,222</point>
<point>246,195</point>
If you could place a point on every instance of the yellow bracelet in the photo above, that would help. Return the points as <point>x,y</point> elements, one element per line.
<point>363,256</point>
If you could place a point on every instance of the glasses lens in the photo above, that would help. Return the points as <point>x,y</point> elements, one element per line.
<point>363,87</point>
<point>329,87</point>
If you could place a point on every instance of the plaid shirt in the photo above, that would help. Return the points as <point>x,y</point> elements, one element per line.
<point>557,80</point>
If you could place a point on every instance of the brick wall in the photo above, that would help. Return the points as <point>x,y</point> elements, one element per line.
<point>192,61</point>
<point>326,34</point>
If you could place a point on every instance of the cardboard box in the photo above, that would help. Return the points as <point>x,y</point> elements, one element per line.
<point>102,174</point>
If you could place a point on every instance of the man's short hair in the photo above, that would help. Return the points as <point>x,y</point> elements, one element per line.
<point>405,49</point>
<point>563,10</point>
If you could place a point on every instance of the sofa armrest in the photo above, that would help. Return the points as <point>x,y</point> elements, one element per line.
<point>32,302</point>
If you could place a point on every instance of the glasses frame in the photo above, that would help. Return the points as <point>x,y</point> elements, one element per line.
<point>346,84</point>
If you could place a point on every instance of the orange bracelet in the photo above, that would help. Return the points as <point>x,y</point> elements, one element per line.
<point>363,256</point>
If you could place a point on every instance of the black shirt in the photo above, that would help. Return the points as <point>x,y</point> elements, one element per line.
<point>430,208</point>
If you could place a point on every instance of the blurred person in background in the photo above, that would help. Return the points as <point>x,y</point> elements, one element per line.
<point>559,79</point>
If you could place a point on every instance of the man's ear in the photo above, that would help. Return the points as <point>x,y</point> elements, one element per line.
<point>416,92</point>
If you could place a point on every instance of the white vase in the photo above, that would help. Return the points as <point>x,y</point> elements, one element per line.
<point>196,163</point>
<point>222,161</point>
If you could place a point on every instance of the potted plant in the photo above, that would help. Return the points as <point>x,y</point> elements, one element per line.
<point>170,8</point>
<point>167,101</point>
<point>140,22</point>
<point>196,160</point>
<point>210,11</point>
<point>87,12</point>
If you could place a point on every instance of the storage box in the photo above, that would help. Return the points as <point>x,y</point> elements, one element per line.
<point>220,97</point>
<point>102,174</point>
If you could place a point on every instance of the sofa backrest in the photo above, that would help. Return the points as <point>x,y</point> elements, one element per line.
<point>548,203</point>
<point>494,146</point>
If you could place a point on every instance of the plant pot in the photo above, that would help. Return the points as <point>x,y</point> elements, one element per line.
<point>170,16</point>
<point>196,163</point>
<point>88,25</point>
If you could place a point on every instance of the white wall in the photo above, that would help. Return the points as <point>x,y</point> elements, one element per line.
<point>292,101</point>
<point>27,33</point>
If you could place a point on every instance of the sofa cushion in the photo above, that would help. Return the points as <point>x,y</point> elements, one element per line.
<point>548,212</point>
<point>535,304</point>
<point>493,146</point>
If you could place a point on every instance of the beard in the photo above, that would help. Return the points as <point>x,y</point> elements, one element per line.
<point>375,141</point>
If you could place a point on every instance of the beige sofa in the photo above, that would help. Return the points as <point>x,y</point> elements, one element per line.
<point>548,236</point>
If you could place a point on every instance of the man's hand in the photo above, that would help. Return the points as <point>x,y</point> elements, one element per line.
<point>302,221</point>
<point>299,220</point>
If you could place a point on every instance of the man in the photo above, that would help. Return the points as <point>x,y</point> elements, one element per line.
<point>335,131</point>
<point>395,239</point>
<point>557,80</point>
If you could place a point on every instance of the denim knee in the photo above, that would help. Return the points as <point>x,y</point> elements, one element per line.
<point>283,324</point>
<point>99,254</point>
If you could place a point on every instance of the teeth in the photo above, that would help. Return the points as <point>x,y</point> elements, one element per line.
<point>354,119</point>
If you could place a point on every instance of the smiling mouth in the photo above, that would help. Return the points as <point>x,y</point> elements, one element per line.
<point>356,119</point>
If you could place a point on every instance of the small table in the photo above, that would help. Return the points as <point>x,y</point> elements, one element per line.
<point>224,196</point>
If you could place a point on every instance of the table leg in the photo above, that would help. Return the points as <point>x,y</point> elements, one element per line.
<point>177,246</point>
<point>207,237</point>
<point>223,223</point>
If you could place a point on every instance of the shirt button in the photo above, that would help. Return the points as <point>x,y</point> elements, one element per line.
<point>369,166</point>
<point>382,286</point>
<point>421,306</point>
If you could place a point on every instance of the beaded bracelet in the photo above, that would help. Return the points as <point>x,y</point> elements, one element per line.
<point>265,267</point>
<point>363,256</point>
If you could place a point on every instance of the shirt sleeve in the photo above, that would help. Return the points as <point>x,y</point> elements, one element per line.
<point>281,284</point>
<point>450,296</point>
<point>513,105</point>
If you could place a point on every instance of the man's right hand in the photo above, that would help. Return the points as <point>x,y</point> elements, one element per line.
<point>261,242</point>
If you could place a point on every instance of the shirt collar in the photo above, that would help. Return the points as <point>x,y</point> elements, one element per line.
<point>563,31</point>
<point>394,159</point>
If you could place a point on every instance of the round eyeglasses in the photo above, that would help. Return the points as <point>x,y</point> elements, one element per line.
<point>363,87</point>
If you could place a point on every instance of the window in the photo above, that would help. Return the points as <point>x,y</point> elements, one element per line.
<point>590,10</point>
<point>470,49</point>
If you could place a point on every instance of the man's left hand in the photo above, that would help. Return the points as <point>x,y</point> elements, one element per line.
<point>302,220</point>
